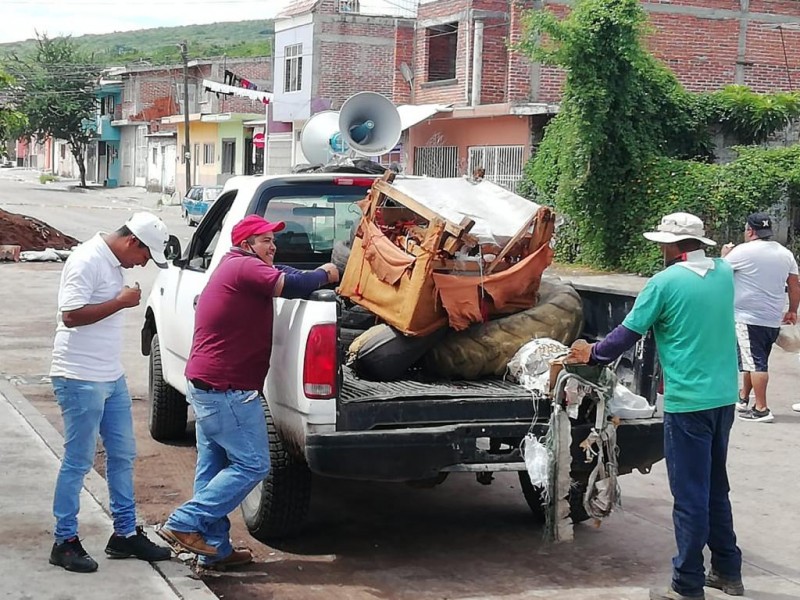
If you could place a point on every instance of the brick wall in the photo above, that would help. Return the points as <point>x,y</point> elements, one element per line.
<point>153,94</point>
<point>699,40</point>
<point>426,91</point>
<point>358,53</point>
<point>403,53</point>
<point>256,70</point>
<point>494,74</point>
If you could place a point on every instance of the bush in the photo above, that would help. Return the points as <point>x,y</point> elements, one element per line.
<point>630,144</point>
<point>47,178</point>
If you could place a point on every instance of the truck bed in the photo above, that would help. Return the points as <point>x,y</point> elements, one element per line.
<point>415,402</point>
<point>355,389</point>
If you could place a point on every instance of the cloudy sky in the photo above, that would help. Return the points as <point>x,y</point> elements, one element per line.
<point>22,18</point>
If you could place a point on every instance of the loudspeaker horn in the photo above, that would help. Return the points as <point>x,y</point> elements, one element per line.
<point>320,139</point>
<point>369,124</point>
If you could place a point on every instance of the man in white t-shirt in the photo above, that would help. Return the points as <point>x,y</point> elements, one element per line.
<point>90,387</point>
<point>763,271</point>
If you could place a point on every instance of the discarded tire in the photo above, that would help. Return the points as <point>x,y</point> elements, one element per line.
<point>485,349</point>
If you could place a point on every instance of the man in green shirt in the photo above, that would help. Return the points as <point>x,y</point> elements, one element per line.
<point>689,306</point>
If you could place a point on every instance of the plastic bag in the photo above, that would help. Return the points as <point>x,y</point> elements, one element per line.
<point>789,338</point>
<point>532,360</point>
<point>627,405</point>
<point>537,460</point>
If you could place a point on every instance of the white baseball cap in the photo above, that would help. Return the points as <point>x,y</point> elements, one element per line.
<point>679,226</point>
<point>152,232</point>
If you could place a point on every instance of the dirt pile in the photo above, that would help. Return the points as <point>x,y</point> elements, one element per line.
<point>31,234</point>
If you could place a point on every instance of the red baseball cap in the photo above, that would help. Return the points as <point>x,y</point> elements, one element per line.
<point>253,225</point>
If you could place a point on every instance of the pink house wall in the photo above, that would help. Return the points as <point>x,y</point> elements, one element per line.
<point>489,131</point>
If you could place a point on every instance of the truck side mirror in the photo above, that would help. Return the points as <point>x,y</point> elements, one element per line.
<point>173,248</point>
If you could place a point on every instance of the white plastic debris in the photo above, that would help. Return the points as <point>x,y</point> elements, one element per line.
<point>530,366</point>
<point>46,255</point>
<point>627,405</point>
<point>789,338</point>
<point>537,460</point>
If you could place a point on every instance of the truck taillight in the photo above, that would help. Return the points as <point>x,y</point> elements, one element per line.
<point>320,368</point>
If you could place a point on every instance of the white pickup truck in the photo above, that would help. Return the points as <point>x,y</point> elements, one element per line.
<point>324,420</point>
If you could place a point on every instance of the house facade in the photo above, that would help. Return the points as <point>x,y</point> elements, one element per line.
<point>328,50</point>
<point>459,54</point>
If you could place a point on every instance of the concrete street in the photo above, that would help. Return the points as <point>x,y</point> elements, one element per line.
<point>460,540</point>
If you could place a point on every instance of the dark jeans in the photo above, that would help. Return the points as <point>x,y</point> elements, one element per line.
<point>696,450</point>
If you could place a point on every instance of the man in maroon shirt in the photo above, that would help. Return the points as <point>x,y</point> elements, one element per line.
<point>226,370</point>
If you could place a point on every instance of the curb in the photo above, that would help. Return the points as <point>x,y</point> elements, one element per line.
<point>178,576</point>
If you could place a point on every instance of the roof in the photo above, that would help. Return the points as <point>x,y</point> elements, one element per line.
<point>297,7</point>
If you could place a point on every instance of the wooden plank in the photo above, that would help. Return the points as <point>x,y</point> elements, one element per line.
<point>543,232</point>
<point>517,237</point>
<point>421,210</point>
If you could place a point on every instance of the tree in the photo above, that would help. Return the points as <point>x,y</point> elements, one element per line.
<point>57,96</point>
<point>11,120</point>
<point>620,108</point>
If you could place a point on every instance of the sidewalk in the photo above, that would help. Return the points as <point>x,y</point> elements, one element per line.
<point>30,450</point>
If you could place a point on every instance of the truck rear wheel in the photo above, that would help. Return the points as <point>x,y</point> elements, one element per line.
<point>277,508</point>
<point>533,496</point>
<point>168,408</point>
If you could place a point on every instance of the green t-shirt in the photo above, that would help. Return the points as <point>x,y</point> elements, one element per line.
<point>692,319</point>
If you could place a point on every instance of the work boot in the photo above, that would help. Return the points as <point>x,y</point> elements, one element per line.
<point>670,594</point>
<point>136,546</point>
<point>237,558</point>
<point>71,555</point>
<point>187,540</point>
<point>732,587</point>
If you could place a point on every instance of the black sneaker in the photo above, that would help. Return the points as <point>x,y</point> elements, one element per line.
<point>71,555</point>
<point>136,546</point>
<point>757,416</point>
<point>732,587</point>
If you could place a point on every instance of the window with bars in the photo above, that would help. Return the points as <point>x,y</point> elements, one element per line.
<point>208,154</point>
<point>436,161</point>
<point>503,165</point>
<point>293,68</point>
<point>347,6</point>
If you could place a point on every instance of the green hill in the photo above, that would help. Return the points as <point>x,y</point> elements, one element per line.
<point>239,39</point>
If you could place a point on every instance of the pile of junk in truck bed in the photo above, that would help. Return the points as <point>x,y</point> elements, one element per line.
<point>452,277</point>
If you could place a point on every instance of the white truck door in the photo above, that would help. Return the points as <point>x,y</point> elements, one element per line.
<point>178,321</point>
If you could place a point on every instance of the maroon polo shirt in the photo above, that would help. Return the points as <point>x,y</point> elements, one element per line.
<point>233,324</point>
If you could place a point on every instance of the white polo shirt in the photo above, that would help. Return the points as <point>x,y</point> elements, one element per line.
<point>760,270</point>
<point>91,275</point>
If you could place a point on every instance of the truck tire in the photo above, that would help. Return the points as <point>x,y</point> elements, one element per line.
<point>168,407</point>
<point>277,508</point>
<point>485,349</point>
<point>533,496</point>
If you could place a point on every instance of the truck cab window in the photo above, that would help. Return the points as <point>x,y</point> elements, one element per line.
<point>207,235</point>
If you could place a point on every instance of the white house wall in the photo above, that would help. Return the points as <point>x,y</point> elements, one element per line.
<point>127,155</point>
<point>293,106</point>
<point>161,168</point>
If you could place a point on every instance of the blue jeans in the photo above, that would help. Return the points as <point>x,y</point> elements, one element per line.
<point>232,459</point>
<point>696,450</point>
<point>90,408</point>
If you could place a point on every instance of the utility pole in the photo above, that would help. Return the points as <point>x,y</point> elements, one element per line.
<point>187,155</point>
